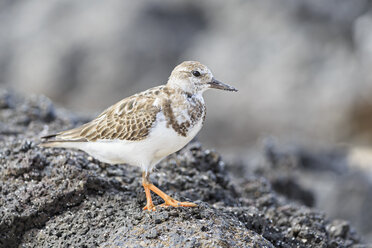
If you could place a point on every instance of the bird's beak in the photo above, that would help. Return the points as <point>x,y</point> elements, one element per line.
<point>221,86</point>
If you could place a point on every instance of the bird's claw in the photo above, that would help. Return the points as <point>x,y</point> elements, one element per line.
<point>150,207</point>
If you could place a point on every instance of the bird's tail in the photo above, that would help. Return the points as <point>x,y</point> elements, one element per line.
<point>50,141</point>
<point>55,140</point>
<point>63,139</point>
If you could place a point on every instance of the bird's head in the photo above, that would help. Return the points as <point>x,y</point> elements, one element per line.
<point>194,77</point>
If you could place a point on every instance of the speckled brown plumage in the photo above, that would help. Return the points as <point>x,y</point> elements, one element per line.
<point>195,109</point>
<point>133,117</point>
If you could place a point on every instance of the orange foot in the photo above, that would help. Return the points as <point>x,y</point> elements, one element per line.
<point>174,203</point>
<point>150,207</point>
<point>168,201</point>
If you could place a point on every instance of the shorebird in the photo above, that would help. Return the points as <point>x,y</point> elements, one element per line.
<point>143,129</point>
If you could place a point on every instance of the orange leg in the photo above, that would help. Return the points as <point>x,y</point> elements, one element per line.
<point>149,205</point>
<point>168,201</point>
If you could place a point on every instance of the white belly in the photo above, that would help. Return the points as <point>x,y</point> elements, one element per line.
<point>145,153</point>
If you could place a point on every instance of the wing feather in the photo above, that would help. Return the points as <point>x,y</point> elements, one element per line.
<point>129,119</point>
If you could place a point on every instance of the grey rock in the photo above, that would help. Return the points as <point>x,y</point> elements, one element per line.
<point>64,198</point>
<point>325,179</point>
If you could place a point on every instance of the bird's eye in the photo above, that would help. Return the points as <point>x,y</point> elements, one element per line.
<point>196,73</point>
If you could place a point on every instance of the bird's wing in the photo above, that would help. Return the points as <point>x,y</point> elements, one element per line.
<point>129,119</point>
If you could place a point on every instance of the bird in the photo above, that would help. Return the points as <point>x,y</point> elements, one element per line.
<point>144,128</point>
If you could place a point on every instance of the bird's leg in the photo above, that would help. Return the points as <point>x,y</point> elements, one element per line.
<point>145,183</point>
<point>168,201</point>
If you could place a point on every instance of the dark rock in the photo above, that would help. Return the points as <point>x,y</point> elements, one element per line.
<point>327,179</point>
<point>62,198</point>
<point>6,99</point>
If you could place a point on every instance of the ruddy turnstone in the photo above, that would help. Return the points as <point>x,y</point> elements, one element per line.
<point>144,128</point>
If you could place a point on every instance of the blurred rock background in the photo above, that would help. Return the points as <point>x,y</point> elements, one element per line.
<point>303,68</point>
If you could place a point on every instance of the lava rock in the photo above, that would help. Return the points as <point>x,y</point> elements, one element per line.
<point>64,198</point>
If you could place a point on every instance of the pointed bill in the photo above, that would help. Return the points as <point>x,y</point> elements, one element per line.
<point>221,86</point>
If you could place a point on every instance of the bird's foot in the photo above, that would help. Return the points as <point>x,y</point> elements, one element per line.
<point>150,207</point>
<point>174,203</point>
<point>168,201</point>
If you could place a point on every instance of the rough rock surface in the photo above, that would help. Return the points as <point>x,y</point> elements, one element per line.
<point>64,198</point>
<point>332,179</point>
